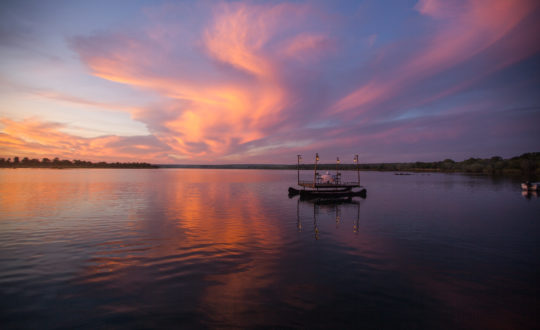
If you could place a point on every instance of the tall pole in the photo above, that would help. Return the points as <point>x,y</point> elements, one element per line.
<point>315,173</point>
<point>298,167</point>
<point>357,167</point>
<point>337,170</point>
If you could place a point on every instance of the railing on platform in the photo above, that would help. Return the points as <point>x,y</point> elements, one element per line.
<point>334,182</point>
<point>312,184</point>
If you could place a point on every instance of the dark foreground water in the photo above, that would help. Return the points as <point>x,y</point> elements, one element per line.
<point>177,248</point>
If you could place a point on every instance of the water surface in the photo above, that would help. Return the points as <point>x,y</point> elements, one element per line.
<point>91,248</point>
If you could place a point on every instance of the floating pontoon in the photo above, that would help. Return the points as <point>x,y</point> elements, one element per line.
<point>327,185</point>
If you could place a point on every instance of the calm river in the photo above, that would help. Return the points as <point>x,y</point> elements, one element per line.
<point>188,248</point>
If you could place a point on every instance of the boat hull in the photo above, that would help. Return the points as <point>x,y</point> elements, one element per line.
<point>327,193</point>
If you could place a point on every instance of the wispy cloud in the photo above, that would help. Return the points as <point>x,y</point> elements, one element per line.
<point>242,97</point>
<point>260,81</point>
<point>462,30</point>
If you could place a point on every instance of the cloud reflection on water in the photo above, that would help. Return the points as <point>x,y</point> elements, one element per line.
<point>210,248</point>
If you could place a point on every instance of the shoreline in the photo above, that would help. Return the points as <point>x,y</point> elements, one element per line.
<point>526,165</point>
<point>410,171</point>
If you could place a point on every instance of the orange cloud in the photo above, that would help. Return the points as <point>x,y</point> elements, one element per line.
<point>34,138</point>
<point>209,117</point>
<point>237,38</point>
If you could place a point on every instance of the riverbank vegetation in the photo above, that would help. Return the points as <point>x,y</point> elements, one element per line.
<point>528,163</point>
<point>26,162</point>
<point>525,165</point>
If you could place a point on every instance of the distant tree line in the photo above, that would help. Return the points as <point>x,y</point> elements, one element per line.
<point>64,163</point>
<point>526,164</point>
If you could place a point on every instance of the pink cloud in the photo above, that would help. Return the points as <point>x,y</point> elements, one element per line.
<point>464,29</point>
<point>306,46</point>
<point>210,117</point>
<point>441,9</point>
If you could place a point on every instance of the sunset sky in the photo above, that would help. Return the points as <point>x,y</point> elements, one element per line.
<point>203,82</point>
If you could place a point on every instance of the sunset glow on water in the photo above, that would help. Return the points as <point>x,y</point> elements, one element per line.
<point>228,248</point>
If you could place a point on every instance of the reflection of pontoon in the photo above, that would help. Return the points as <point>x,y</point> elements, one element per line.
<point>529,194</point>
<point>327,185</point>
<point>333,205</point>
